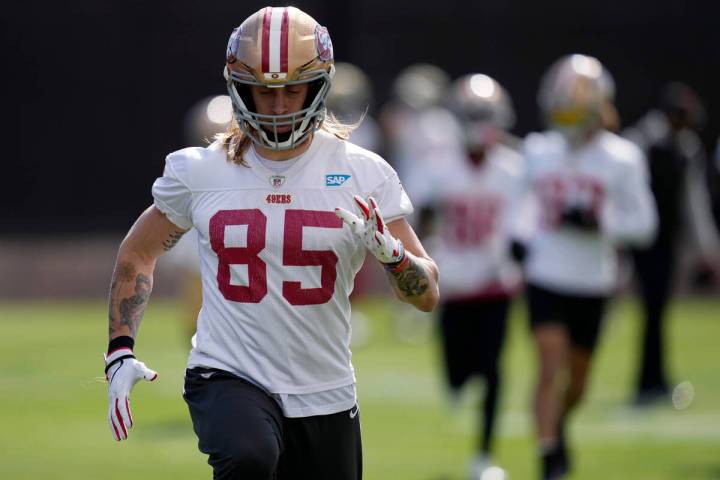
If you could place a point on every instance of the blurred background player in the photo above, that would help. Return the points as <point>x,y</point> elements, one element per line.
<point>351,99</point>
<point>668,134</point>
<point>419,129</point>
<point>467,217</point>
<point>205,119</point>
<point>592,195</point>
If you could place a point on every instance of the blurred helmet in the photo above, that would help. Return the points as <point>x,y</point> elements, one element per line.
<point>273,48</point>
<point>421,85</point>
<point>483,107</point>
<point>682,105</point>
<point>207,117</point>
<point>351,90</point>
<point>575,92</point>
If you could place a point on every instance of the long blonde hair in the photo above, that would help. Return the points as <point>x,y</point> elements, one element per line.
<point>236,143</point>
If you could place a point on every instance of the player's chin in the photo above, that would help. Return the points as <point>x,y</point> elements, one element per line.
<point>283,132</point>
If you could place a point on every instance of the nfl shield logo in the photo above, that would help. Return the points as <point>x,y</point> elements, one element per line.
<point>277,180</point>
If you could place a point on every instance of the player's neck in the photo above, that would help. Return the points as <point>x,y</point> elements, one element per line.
<point>280,155</point>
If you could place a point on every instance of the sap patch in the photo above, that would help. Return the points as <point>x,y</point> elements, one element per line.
<point>336,179</point>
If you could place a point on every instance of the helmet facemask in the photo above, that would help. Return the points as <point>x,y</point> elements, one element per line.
<point>263,128</point>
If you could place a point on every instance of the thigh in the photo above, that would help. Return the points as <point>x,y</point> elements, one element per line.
<point>466,330</point>
<point>492,323</point>
<point>323,447</point>
<point>552,344</point>
<point>544,307</point>
<point>584,318</point>
<point>238,425</point>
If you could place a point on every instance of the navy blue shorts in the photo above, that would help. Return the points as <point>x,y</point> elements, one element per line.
<point>245,435</point>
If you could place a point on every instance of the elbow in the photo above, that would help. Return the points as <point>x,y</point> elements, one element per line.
<point>130,259</point>
<point>429,301</point>
<point>427,307</point>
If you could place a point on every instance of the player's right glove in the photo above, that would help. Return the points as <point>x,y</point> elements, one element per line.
<point>581,218</point>
<point>518,251</point>
<point>122,372</point>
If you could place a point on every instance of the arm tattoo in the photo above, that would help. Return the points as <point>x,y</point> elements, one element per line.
<point>413,280</point>
<point>172,240</point>
<point>131,308</point>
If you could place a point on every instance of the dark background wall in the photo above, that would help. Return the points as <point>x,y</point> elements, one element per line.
<point>94,91</point>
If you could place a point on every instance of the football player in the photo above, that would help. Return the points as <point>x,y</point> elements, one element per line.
<point>468,219</point>
<point>592,196</point>
<point>418,127</point>
<point>285,210</point>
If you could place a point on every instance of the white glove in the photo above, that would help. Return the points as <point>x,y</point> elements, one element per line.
<point>122,372</point>
<point>371,229</point>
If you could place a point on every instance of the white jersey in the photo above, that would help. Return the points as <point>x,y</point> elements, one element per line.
<point>474,211</point>
<point>419,138</point>
<point>277,264</point>
<point>608,175</point>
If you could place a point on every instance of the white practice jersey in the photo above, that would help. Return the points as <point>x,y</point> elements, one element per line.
<point>607,175</point>
<point>474,212</point>
<point>277,264</point>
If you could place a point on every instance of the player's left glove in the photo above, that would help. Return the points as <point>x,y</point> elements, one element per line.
<point>371,229</point>
<point>122,372</point>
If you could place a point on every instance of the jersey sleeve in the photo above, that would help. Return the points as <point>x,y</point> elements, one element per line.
<point>631,218</point>
<point>390,195</point>
<point>172,194</point>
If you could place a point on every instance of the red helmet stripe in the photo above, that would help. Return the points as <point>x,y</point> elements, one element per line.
<point>284,41</point>
<point>265,44</point>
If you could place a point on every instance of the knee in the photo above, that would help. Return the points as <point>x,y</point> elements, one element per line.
<point>246,461</point>
<point>548,376</point>
<point>576,391</point>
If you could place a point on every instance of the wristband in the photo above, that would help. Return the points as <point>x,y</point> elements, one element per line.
<point>119,342</point>
<point>119,349</point>
<point>400,265</point>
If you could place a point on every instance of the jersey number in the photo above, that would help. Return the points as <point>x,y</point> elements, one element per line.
<point>293,255</point>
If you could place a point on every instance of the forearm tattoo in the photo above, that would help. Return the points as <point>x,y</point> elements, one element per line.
<point>172,240</point>
<point>131,308</point>
<point>412,281</point>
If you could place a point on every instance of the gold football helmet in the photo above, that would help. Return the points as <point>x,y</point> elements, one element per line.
<point>275,47</point>
<point>575,92</point>
<point>483,108</point>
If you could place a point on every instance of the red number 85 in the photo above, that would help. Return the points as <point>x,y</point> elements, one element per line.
<point>293,255</point>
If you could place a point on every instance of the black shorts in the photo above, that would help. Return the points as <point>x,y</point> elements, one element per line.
<point>581,315</point>
<point>472,335</point>
<point>245,435</point>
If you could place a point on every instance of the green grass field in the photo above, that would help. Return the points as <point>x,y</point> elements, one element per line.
<point>53,402</point>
